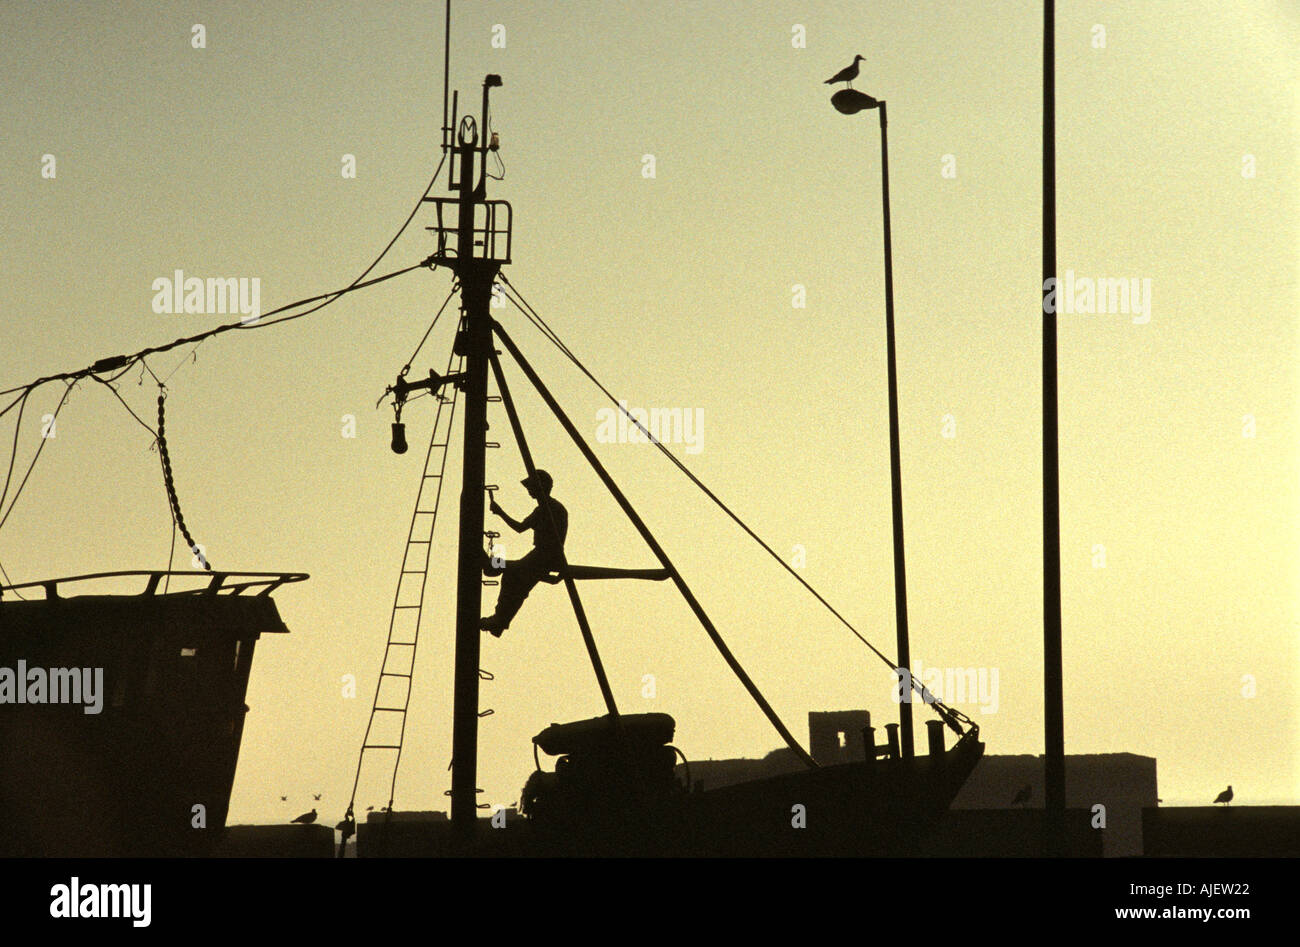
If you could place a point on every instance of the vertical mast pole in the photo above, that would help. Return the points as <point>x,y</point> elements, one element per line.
<point>1053,700</point>
<point>474,343</point>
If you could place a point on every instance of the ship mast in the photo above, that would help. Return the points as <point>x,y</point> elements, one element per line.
<point>475,264</point>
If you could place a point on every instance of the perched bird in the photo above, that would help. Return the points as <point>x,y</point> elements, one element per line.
<point>370,808</point>
<point>307,818</point>
<point>1022,797</point>
<point>1224,797</point>
<point>316,796</point>
<point>847,74</point>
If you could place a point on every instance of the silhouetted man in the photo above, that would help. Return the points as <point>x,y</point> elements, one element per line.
<point>550,524</point>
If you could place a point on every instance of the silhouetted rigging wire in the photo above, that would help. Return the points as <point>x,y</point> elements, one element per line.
<point>127,362</point>
<point>177,517</point>
<point>455,284</point>
<point>21,400</point>
<point>382,253</point>
<point>40,447</point>
<point>13,450</point>
<point>118,396</point>
<point>144,367</point>
<point>535,318</point>
<point>113,362</point>
<point>9,581</point>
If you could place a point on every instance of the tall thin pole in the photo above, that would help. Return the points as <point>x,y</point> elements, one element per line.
<point>895,465</point>
<point>446,72</point>
<point>1053,700</point>
<point>474,343</point>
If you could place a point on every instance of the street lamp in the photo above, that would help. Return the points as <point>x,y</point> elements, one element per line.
<point>850,102</point>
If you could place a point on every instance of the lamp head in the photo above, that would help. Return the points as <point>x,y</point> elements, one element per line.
<point>851,101</point>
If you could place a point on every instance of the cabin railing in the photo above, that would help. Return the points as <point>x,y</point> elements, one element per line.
<point>215,583</point>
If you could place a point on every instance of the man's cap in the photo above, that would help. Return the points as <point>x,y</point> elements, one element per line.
<point>539,478</point>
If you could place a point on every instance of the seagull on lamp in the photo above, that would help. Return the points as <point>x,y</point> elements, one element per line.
<point>1224,797</point>
<point>847,74</point>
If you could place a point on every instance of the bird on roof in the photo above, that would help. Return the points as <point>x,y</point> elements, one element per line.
<point>1224,797</point>
<point>307,818</point>
<point>1022,797</point>
<point>847,74</point>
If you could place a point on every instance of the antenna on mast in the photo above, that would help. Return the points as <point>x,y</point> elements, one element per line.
<point>446,74</point>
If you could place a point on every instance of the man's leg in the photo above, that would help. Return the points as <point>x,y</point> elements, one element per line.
<point>516,582</point>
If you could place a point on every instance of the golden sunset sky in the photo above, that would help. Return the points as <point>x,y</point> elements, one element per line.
<point>1177,136</point>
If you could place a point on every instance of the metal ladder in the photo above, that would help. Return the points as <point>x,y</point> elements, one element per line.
<point>398,666</point>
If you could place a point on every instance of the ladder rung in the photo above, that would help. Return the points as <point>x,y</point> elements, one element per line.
<point>413,572</point>
<point>404,644</point>
<point>400,710</point>
<point>494,398</point>
<point>491,444</point>
<point>382,746</point>
<point>491,582</point>
<point>437,476</point>
<point>406,606</point>
<point>443,444</point>
<point>418,542</point>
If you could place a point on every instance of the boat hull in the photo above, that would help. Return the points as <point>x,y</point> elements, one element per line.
<point>876,808</point>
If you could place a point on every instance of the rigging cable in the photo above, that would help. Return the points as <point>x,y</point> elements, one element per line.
<point>949,714</point>
<point>175,503</point>
<point>114,362</point>
<point>384,252</point>
<point>117,361</point>
<point>455,284</point>
<point>13,451</point>
<point>126,362</point>
<point>18,492</point>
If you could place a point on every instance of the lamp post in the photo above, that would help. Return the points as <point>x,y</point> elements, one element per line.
<point>849,102</point>
<point>1053,687</point>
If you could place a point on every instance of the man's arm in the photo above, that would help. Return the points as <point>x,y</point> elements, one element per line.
<point>514,524</point>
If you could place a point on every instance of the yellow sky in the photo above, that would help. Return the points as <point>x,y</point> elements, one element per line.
<point>1177,165</point>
